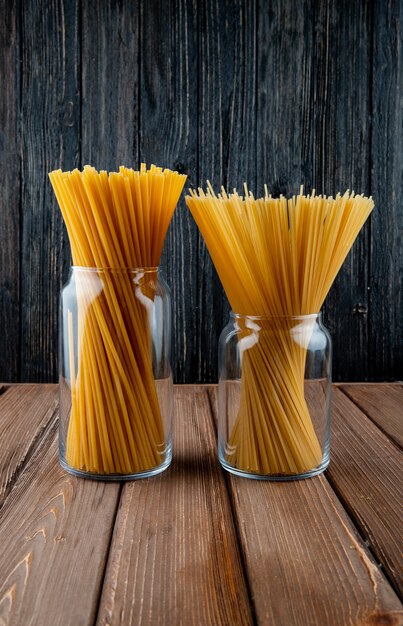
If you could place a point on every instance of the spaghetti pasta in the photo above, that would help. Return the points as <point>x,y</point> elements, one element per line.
<point>116,222</point>
<point>276,259</point>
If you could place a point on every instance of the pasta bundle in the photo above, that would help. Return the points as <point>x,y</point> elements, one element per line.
<point>115,222</point>
<point>276,259</point>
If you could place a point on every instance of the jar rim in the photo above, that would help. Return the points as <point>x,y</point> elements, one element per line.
<point>134,270</point>
<point>241,316</point>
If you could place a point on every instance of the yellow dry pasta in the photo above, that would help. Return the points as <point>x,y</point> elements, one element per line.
<point>115,222</point>
<point>276,258</point>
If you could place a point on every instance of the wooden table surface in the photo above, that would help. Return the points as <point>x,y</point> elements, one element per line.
<point>196,545</point>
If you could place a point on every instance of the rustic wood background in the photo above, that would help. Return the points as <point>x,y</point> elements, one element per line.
<point>276,91</point>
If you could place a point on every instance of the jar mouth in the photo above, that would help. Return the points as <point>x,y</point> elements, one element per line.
<point>132,270</point>
<point>309,316</point>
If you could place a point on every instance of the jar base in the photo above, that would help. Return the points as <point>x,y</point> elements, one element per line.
<point>277,477</point>
<point>154,471</point>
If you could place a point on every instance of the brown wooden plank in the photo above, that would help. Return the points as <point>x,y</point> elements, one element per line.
<point>383,404</point>
<point>10,188</point>
<point>366,471</point>
<point>174,557</point>
<point>25,414</point>
<point>304,559</point>
<point>54,535</point>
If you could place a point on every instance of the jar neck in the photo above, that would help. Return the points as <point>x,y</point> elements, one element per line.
<point>116,270</point>
<point>135,273</point>
<point>273,323</point>
<point>276,318</point>
<point>102,275</point>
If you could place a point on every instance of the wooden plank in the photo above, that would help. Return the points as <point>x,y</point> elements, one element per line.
<point>386,276</point>
<point>10,191</point>
<point>304,559</point>
<point>110,108</point>
<point>174,557</point>
<point>226,143</point>
<point>284,95</point>
<point>168,137</point>
<point>50,139</point>
<point>342,160</point>
<point>54,534</point>
<point>365,471</point>
<point>383,404</point>
<point>26,412</point>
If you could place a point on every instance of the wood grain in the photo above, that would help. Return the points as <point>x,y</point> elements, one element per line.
<point>255,90</point>
<point>305,561</point>
<point>109,57</point>
<point>168,137</point>
<point>26,413</point>
<point>386,276</point>
<point>366,471</point>
<point>226,142</point>
<point>10,189</point>
<point>342,160</point>
<point>174,557</point>
<point>284,95</point>
<point>54,532</point>
<point>50,139</point>
<point>383,404</point>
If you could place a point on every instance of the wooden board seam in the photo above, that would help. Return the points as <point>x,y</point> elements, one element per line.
<point>209,390</point>
<point>40,439</point>
<point>367,383</point>
<point>111,537</point>
<point>369,416</point>
<point>365,541</point>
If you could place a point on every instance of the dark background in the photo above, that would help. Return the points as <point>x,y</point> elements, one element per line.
<point>276,91</point>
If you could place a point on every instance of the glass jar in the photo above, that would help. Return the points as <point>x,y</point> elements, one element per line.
<point>274,396</point>
<point>115,386</point>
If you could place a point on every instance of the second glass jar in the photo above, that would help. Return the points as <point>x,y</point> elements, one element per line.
<point>115,386</point>
<point>274,396</point>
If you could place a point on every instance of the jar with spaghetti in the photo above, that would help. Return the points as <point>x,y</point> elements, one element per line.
<point>115,330</point>
<point>116,386</point>
<point>274,396</point>
<point>277,259</point>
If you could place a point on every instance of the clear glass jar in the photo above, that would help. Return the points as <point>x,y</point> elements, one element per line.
<point>274,396</point>
<point>115,387</point>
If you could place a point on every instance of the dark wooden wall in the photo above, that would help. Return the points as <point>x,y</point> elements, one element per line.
<point>278,91</point>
